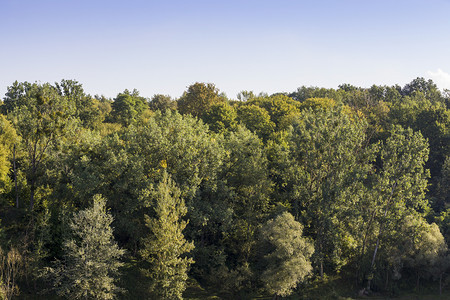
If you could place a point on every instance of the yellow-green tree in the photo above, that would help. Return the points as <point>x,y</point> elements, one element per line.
<point>199,98</point>
<point>287,257</point>
<point>8,138</point>
<point>165,247</point>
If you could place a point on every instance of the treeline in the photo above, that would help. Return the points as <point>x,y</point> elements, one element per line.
<point>265,194</point>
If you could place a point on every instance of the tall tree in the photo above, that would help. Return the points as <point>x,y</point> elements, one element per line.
<point>8,140</point>
<point>41,117</point>
<point>256,119</point>
<point>162,103</point>
<point>199,98</point>
<point>127,107</point>
<point>91,261</point>
<point>165,248</point>
<point>399,185</point>
<point>221,117</point>
<point>85,107</point>
<point>328,158</point>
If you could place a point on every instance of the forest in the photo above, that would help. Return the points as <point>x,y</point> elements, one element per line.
<point>311,194</point>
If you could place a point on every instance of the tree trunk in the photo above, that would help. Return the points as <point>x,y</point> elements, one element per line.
<point>369,281</point>
<point>440,284</point>
<point>321,268</point>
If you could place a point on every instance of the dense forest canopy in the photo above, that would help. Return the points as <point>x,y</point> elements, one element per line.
<point>137,197</point>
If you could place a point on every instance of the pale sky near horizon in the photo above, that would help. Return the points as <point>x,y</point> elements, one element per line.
<point>161,47</point>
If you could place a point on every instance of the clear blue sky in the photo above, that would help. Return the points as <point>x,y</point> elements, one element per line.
<point>270,46</point>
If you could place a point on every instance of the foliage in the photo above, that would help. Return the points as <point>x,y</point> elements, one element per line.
<point>41,117</point>
<point>288,253</point>
<point>198,99</point>
<point>221,117</point>
<point>327,161</point>
<point>253,183</point>
<point>92,258</point>
<point>8,140</point>
<point>162,103</point>
<point>256,119</point>
<point>10,269</point>
<point>127,107</point>
<point>165,247</point>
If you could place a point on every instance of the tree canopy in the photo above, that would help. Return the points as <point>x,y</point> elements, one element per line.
<point>262,195</point>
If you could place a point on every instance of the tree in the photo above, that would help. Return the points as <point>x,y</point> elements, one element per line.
<point>16,96</point>
<point>443,186</point>
<point>282,109</point>
<point>8,140</point>
<point>127,107</point>
<point>428,249</point>
<point>318,103</point>
<point>256,119</point>
<point>398,186</point>
<point>302,93</point>
<point>165,247</point>
<point>86,108</point>
<point>287,254</point>
<point>246,180</point>
<point>221,117</point>
<point>162,103</point>
<point>427,87</point>
<point>245,95</point>
<point>328,160</point>
<point>199,98</point>
<point>10,268</point>
<point>41,117</point>
<point>92,258</point>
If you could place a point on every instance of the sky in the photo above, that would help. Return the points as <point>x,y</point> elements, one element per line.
<point>162,47</point>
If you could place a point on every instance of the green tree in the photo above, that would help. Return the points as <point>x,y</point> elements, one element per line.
<point>432,120</point>
<point>282,109</point>
<point>245,95</point>
<point>162,103</point>
<point>41,117</point>
<point>86,108</point>
<point>443,186</point>
<point>8,140</point>
<point>328,160</point>
<point>17,95</point>
<point>427,250</point>
<point>399,186</point>
<point>427,87</point>
<point>286,255</point>
<point>165,248</point>
<point>318,103</point>
<point>221,117</point>
<point>128,107</point>
<point>256,119</point>
<point>302,93</point>
<point>199,98</point>
<point>91,262</point>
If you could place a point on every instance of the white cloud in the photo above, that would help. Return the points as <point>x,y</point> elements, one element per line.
<point>441,78</point>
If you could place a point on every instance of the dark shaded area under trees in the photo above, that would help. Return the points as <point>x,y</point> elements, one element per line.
<point>271,195</point>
